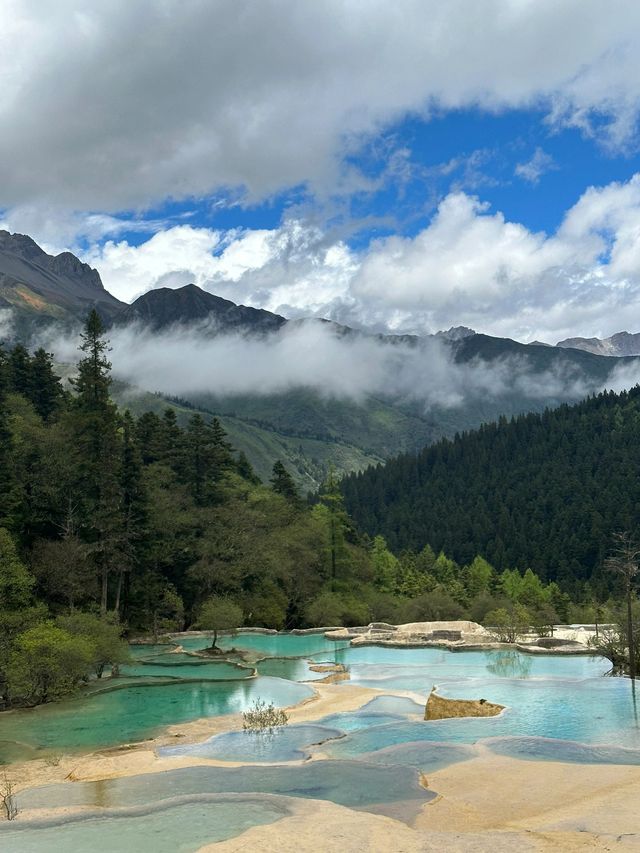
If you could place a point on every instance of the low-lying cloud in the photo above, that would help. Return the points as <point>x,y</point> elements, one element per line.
<point>191,362</point>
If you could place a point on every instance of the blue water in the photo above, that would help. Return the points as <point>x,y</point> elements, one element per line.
<point>421,669</point>
<point>592,711</point>
<point>284,743</point>
<point>391,790</point>
<point>181,826</point>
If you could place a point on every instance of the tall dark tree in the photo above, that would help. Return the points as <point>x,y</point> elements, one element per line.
<point>6,475</point>
<point>134,512</point>
<point>96,423</point>
<point>20,371</point>
<point>46,392</point>
<point>282,483</point>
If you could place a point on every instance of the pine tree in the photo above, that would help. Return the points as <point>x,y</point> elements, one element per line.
<point>96,424</point>
<point>46,392</point>
<point>6,442</point>
<point>282,483</point>
<point>134,512</point>
<point>20,371</point>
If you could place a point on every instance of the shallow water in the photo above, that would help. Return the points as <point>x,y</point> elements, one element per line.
<point>392,790</point>
<point>188,667</point>
<point>593,711</point>
<point>179,827</point>
<point>294,669</point>
<point>283,743</point>
<point>284,645</point>
<point>420,669</point>
<point>134,713</point>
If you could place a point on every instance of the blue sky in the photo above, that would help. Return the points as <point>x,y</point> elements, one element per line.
<point>399,168</point>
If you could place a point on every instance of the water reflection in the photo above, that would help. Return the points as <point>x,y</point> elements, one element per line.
<point>508,664</point>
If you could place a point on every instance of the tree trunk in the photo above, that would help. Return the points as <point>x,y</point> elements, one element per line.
<point>630,643</point>
<point>105,590</point>
<point>116,606</point>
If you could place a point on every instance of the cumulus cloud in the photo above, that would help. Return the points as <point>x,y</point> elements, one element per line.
<point>117,105</point>
<point>469,266</point>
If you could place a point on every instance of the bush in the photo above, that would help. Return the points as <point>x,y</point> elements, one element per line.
<point>47,663</point>
<point>262,717</point>
<point>508,623</point>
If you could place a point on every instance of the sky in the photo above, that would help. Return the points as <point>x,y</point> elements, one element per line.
<point>400,167</point>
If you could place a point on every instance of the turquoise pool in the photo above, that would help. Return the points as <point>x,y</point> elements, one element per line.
<point>137,712</point>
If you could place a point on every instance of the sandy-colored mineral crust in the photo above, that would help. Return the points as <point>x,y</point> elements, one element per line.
<point>317,826</point>
<point>439,708</point>
<point>560,806</point>
<point>336,672</point>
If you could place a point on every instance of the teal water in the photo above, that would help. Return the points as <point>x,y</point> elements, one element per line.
<point>135,713</point>
<point>282,645</point>
<point>174,827</point>
<point>294,669</point>
<point>145,650</point>
<point>218,671</point>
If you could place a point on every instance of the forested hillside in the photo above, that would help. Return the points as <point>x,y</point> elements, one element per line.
<point>541,491</point>
<point>114,525</point>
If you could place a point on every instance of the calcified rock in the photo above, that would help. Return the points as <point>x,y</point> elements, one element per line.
<point>335,672</point>
<point>439,708</point>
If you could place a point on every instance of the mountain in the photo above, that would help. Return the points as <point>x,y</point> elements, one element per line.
<point>481,377</point>
<point>620,344</point>
<point>544,491</point>
<point>165,307</point>
<point>41,287</point>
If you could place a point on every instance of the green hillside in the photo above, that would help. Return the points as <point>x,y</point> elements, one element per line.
<point>541,491</point>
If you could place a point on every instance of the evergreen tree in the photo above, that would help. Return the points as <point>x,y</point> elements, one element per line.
<point>282,483</point>
<point>20,371</point>
<point>6,477</point>
<point>96,424</point>
<point>134,511</point>
<point>46,393</point>
<point>245,469</point>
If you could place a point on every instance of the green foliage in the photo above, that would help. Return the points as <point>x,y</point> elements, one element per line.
<point>16,584</point>
<point>282,483</point>
<point>508,623</point>
<point>47,663</point>
<point>219,614</point>
<point>104,635</point>
<point>539,491</point>
<point>336,609</point>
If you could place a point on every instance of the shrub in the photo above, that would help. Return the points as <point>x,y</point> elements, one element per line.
<point>262,717</point>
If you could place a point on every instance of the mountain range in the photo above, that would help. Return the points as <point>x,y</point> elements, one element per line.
<point>310,431</point>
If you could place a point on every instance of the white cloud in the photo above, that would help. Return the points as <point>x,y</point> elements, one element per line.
<point>532,170</point>
<point>116,105</point>
<point>468,266</point>
<point>184,361</point>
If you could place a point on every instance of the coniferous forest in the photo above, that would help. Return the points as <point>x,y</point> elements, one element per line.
<point>538,491</point>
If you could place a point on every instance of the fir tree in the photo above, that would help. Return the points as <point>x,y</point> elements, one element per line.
<point>282,483</point>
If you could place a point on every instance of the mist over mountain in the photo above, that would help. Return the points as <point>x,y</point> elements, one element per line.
<point>165,307</point>
<point>312,392</point>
